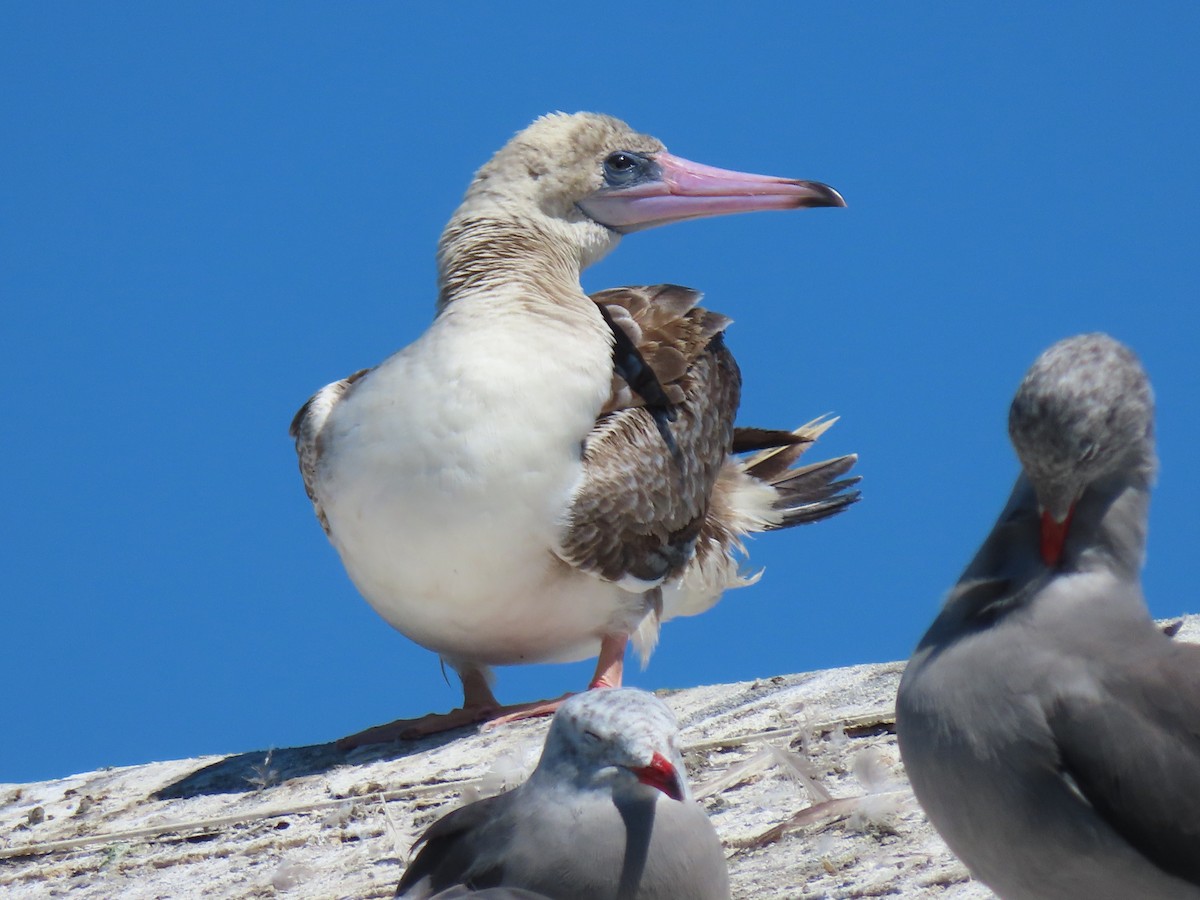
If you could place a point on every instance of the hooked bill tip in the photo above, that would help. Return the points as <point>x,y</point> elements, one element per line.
<point>1054,537</point>
<point>661,775</point>
<point>821,195</point>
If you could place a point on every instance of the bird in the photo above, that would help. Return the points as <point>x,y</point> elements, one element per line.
<point>460,892</point>
<point>606,814</point>
<point>1050,730</point>
<point>545,475</point>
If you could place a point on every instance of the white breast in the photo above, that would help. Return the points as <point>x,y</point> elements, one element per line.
<point>445,475</point>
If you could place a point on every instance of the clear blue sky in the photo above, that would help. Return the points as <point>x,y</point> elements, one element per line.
<point>210,210</point>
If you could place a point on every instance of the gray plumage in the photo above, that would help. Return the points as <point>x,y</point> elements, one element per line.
<point>461,892</point>
<point>1050,730</point>
<point>606,815</point>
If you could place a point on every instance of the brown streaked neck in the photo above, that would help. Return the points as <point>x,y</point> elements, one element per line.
<point>483,255</point>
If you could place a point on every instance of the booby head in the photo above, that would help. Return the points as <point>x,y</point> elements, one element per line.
<point>1083,413</point>
<point>615,739</point>
<point>591,178</point>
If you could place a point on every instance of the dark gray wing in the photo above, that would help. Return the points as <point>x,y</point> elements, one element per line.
<point>450,850</point>
<point>1133,750</point>
<point>461,892</point>
<point>306,430</point>
<point>641,504</point>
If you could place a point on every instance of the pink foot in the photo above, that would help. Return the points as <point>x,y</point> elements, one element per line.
<point>519,711</point>
<point>422,726</point>
<point>480,705</point>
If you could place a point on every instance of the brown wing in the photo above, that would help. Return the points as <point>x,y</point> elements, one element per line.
<point>306,429</point>
<point>641,506</point>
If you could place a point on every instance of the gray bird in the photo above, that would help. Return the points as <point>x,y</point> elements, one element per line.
<point>1050,730</point>
<point>461,892</point>
<point>606,815</point>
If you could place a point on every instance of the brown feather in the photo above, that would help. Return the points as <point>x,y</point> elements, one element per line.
<point>637,512</point>
<point>747,440</point>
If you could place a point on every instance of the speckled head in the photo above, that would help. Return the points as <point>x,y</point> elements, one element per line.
<point>1083,412</point>
<point>606,736</point>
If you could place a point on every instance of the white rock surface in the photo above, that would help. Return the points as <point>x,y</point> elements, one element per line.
<point>800,774</point>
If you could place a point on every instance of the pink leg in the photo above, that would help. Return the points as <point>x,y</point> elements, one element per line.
<point>480,705</point>
<point>611,663</point>
<point>609,667</point>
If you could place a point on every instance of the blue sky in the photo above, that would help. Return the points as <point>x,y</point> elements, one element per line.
<point>212,210</point>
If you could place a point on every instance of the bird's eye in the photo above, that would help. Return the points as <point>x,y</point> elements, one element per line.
<point>624,167</point>
<point>591,737</point>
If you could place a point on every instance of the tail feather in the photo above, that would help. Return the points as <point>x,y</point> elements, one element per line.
<point>814,510</point>
<point>813,494</point>
<point>807,493</point>
<point>815,480</point>
<point>756,493</point>
<point>747,440</point>
<point>771,462</point>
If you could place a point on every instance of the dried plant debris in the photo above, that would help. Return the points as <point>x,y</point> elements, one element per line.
<point>799,774</point>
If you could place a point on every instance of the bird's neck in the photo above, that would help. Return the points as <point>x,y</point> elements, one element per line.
<point>1108,534</point>
<point>553,775</point>
<point>1110,526</point>
<point>483,257</point>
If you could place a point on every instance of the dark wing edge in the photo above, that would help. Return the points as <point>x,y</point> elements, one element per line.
<point>447,853</point>
<point>306,431</point>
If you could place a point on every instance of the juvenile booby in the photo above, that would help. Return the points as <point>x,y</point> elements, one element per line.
<point>543,475</point>
<point>1049,728</point>
<point>606,815</point>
